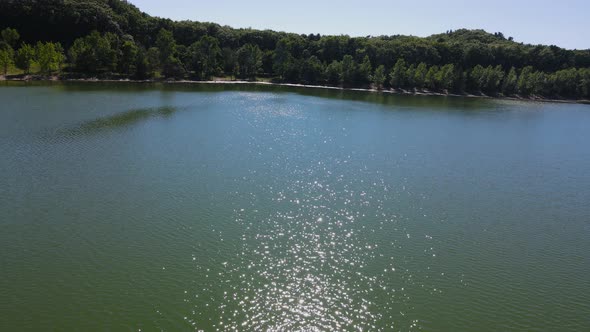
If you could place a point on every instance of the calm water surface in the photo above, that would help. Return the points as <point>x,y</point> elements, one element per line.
<point>178,208</point>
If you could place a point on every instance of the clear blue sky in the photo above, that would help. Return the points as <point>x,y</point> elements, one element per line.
<point>565,23</point>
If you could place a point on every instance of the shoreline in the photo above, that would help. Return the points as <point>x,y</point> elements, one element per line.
<point>294,85</point>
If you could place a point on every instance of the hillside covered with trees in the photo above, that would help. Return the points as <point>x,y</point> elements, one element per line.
<point>113,38</point>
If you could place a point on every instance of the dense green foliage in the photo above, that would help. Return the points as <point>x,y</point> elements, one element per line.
<point>114,37</point>
<point>24,57</point>
<point>6,55</point>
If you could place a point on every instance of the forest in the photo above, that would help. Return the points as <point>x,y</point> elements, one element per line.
<point>114,39</point>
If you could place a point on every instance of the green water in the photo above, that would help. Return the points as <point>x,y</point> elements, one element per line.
<point>217,208</point>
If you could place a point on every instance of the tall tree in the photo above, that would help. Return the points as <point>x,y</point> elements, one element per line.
<point>525,83</point>
<point>166,45</point>
<point>24,57</point>
<point>173,68</point>
<point>420,75</point>
<point>128,59</point>
<point>6,58</point>
<point>334,73</point>
<point>47,57</point>
<point>152,60</point>
<point>446,77</point>
<point>379,77</point>
<point>537,81</point>
<point>410,76</point>
<point>205,57</point>
<point>142,70</point>
<point>249,59</point>
<point>60,56</point>
<point>93,54</point>
<point>493,77</point>
<point>398,74</point>
<point>510,82</point>
<point>477,79</point>
<point>229,61</point>
<point>312,70</point>
<point>348,70</point>
<point>430,79</point>
<point>364,71</point>
<point>282,58</point>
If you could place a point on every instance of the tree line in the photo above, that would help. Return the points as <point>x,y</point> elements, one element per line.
<point>112,37</point>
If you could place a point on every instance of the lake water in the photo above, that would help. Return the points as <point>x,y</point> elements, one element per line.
<point>247,208</point>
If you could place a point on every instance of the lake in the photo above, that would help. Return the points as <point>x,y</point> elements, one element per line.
<point>128,207</point>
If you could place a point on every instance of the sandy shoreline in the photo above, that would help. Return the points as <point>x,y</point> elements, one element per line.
<point>294,85</point>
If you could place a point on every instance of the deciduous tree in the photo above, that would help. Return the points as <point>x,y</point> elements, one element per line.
<point>510,82</point>
<point>205,57</point>
<point>249,59</point>
<point>24,57</point>
<point>166,45</point>
<point>420,75</point>
<point>398,74</point>
<point>6,58</point>
<point>364,71</point>
<point>348,70</point>
<point>47,57</point>
<point>334,73</point>
<point>379,77</point>
<point>128,59</point>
